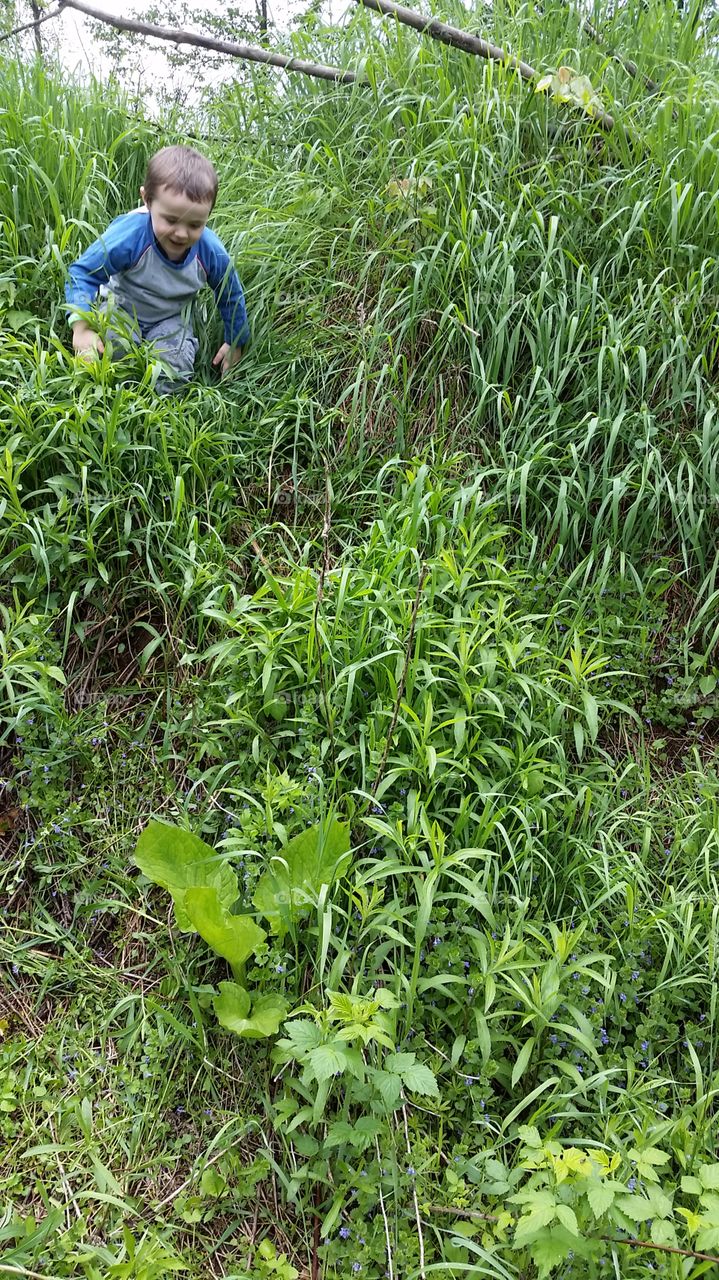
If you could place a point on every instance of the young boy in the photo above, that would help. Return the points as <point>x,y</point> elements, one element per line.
<point>150,264</point>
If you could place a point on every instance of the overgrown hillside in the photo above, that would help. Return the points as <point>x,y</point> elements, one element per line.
<point>432,580</point>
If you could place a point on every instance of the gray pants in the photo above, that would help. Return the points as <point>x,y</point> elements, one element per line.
<point>174,341</point>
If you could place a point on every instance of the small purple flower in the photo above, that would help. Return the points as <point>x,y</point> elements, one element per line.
<point>345,1233</point>
<point>410,1171</point>
<point>622,997</point>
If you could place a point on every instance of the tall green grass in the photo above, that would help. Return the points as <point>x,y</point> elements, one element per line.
<point>441,556</point>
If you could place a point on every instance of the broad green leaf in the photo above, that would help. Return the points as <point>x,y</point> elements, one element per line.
<point>709,1177</point>
<point>660,1202</point>
<point>388,1086</point>
<point>692,1186</point>
<point>542,1211</point>
<point>547,1250</point>
<point>635,1207</point>
<point>552,1245</point>
<point>303,1034</point>
<point>212,1183</point>
<point>568,1218</point>
<point>421,1080</point>
<point>707,1239</point>
<point>530,1135</point>
<point>341,1132</point>
<point>291,884</point>
<point>232,1007</point>
<point>652,1155</point>
<point>386,999</point>
<point>16,320</point>
<point>178,860</point>
<point>399,1062</point>
<point>600,1196</point>
<point>663,1231</point>
<point>235,938</point>
<point>327,1060</point>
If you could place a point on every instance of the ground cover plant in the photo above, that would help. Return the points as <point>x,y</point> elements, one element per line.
<point>359,800</point>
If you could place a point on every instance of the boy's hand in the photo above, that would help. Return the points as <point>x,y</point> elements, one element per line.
<point>86,342</point>
<point>228,357</point>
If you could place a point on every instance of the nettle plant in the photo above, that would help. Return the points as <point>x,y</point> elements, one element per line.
<point>205,890</point>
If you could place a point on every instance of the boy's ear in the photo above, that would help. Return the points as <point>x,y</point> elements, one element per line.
<point>142,196</point>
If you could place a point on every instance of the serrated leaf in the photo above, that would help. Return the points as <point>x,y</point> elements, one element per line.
<point>399,1062</point>
<point>16,320</point>
<point>663,1231</point>
<point>388,1086</point>
<point>707,1239</point>
<point>635,1207</point>
<point>326,1060</point>
<point>339,1133</point>
<point>386,999</point>
<point>568,1218</point>
<point>303,1034</point>
<point>178,860</point>
<point>232,1011</point>
<point>660,1202</point>
<point>235,938</point>
<point>421,1080</point>
<point>709,1177</point>
<point>530,1135</point>
<point>540,1215</point>
<point>692,1186</point>
<point>651,1156</point>
<point>600,1196</point>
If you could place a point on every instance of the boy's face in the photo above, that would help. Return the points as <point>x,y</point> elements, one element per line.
<point>177,221</point>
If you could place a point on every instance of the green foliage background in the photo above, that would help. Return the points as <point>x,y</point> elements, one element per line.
<point>440,560</point>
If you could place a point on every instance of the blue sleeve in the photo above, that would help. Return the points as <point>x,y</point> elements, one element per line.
<point>225,284</point>
<point>118,249</point>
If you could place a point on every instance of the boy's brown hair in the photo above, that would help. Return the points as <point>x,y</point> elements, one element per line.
<point>184,171</point>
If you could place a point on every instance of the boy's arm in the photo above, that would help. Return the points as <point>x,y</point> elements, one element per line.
<point>117,250</point>
<point>225,284</point>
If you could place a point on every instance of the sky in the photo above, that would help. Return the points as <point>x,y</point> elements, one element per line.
<point>82,53</point>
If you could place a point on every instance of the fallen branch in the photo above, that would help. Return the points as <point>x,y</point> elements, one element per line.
<point>630,67</point>
<point>248,52</point>
<point>465,41</point>
<point>453,36</point>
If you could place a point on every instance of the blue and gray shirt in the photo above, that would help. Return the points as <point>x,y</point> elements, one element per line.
<point>127,265</point>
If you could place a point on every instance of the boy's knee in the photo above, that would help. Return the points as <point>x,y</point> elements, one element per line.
<point>177,349</point>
